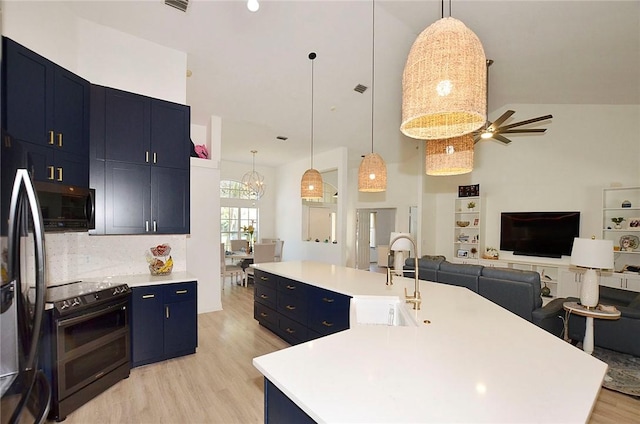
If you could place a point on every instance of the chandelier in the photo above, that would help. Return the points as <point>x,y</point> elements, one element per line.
<point>253,181</point>
<point>444,82</point>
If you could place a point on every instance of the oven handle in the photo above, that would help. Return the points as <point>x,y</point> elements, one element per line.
<point>84,317</point>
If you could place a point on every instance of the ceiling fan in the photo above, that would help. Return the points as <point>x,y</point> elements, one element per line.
<point>495,129</point>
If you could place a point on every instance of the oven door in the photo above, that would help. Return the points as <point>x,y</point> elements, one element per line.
<point>91,345</point>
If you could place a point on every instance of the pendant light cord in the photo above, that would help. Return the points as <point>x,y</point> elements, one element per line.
<point>312,56</point>
<point>442,8</point>
<point>373,63</point>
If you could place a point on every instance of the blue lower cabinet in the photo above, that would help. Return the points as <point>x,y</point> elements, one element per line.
<point>298,312</point>
<point>278,408</point>
<point>164,322</point>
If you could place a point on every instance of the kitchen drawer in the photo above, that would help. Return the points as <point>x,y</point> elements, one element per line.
<point>292,287</point>
<point>292,331</point>
<point>293,306</point>
<point>260,276</point>
<point>265,315</point>
<point>328,311</point>
<point>180,292</point>
<point>265,295</point>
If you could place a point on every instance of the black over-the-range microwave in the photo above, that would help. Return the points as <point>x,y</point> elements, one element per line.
<point>66,208</point>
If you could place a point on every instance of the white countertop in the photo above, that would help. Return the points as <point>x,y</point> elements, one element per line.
<point>136,280</point>
<point>475,361</point>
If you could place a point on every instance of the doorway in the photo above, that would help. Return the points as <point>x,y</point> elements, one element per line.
<point>373,229</point>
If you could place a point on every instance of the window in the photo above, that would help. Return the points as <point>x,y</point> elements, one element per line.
<point>230,189</point>
<point>233,219</point>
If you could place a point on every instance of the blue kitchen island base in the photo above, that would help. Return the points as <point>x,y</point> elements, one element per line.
<point>278,408</point>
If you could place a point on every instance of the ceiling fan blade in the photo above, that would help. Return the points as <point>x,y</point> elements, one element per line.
<point>528,121</point>
<point>496,124</point>
<point>532,130</point>
<point>498,137</point>
<point>476,138</point>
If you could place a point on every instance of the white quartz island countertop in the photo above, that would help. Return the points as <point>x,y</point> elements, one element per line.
<point>473,362</point>
<point>136,280</point>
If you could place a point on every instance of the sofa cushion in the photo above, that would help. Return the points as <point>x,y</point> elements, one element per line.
<point>463,275</point>
<point>513,289</point>
<point>617,297</point>
<point>427,267</point>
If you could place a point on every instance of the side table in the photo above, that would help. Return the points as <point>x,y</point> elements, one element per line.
<point>589,314</point>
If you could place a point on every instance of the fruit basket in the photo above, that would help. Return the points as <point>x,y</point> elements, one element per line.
<point>159,260</point>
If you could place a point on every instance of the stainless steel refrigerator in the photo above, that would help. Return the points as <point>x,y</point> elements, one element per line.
<point>26,393</point>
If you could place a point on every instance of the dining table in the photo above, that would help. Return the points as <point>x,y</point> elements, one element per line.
<point>244,259</point>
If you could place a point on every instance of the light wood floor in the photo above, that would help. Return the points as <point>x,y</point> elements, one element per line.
<point>220,385</point>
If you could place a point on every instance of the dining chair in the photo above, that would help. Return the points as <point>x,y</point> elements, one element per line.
<point>239,245</point>
<point>262,252</point>
<point>279,245</point>
<point>230,270</point>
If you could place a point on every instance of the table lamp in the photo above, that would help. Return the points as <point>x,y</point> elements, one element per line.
<point>591,254</point>
<point>399,242</point>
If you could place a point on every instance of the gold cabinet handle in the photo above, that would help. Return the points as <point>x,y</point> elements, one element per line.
<point>181,291</point>
<point>264,278</point>
<point>291,308</point>
<point>146,156</point>
<point>327,324</point>
<point>264,296</point>
<point>148,296</point>
<point>263,315</point>
<point>51,172</point>
<point>324,299</point>
<point>166,310</point>
<point>59,139</point>
<point>60,174</point>
<point>51,137</point>
<point>291,287</point>
<point>290,331</point>
<point>155,157</point>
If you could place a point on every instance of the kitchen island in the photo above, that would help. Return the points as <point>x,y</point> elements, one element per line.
<point>464,359</point>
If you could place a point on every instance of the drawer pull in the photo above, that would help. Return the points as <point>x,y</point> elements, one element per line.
<point>327,324</point>
<point>328,300</point>
<point>264,278</point>
<point>264,296</point>
<point>291,308</point>
<point>59,174</point>
<point>291,287</point>
<point>51,137</point>
<point>148,296</point>
<point>59,139</point>
<point>51,172</point>
<point>290,331</point>
<point>181,291</point>
<point>263,315</point>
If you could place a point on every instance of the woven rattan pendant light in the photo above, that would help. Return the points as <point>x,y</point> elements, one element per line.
<point>372,173</point>
<point>444,82</point>
<point>311,184</point>
<point>451,156</point>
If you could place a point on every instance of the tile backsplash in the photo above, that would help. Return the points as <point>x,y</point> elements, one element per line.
<point>71,256</point>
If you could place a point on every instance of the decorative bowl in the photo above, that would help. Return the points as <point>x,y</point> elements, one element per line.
<point>462,223</point>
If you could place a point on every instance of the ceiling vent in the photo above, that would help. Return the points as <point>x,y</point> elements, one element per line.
<point>360,88</point>
<point>178,4</point>
<point>282,138</point>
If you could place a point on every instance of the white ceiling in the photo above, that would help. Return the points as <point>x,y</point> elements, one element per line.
<point>252,68</point>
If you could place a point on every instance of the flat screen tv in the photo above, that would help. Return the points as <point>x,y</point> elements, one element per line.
<point>547,234</point>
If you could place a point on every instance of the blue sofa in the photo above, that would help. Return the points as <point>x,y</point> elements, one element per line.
<point>515,290</point>
<point>622,335</point>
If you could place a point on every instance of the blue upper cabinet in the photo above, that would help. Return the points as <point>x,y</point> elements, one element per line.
<point>46,106</point>
<point>144,130</point>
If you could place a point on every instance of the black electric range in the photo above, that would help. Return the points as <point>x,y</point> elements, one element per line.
<point>77,296</point>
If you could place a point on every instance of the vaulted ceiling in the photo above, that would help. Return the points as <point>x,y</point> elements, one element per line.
<point>252,68</point>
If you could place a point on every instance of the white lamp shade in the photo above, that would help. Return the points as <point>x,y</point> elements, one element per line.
<point>400,244</point>
<point>592,253</point>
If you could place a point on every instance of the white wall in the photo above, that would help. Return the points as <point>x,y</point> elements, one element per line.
<point>585,148</point>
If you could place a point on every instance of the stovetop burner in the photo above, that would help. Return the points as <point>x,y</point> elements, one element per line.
<point>78,295</point>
